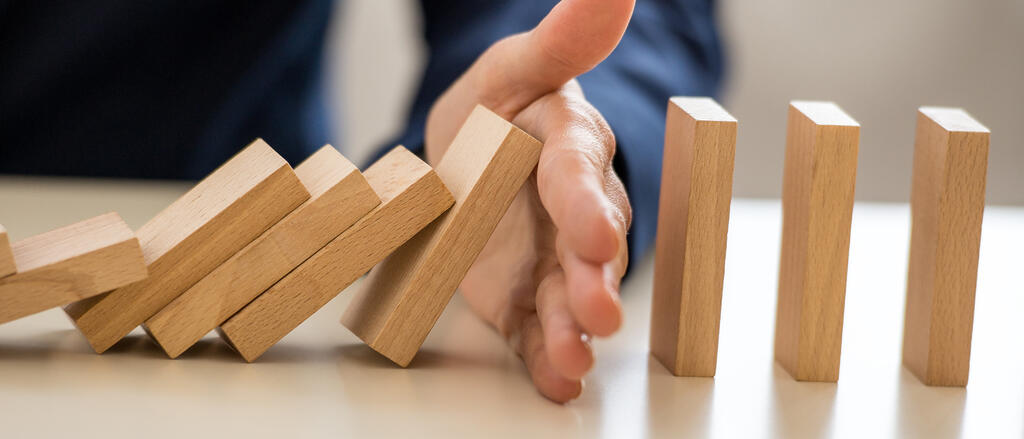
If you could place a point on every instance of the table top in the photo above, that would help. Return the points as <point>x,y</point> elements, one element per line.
<point>320,381</point>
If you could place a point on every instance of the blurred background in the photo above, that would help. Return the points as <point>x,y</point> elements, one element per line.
<point>879,60</point>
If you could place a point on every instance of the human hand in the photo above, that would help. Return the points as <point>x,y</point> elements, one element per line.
<point>548,279</point>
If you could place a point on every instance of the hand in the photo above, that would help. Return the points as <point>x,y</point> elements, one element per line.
<point>549,277</point>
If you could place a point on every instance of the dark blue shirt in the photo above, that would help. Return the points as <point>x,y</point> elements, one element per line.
<point>171,89</point>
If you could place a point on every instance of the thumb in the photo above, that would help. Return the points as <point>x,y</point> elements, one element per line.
<point>573,38</point>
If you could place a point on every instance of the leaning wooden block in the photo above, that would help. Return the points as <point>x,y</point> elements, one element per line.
<point>487,163</point>
<point>7,266</point>
<point>71,263</point>
<point>195,234</point>
<point>947,203</point>
<point>411,197</point>
<point>340,196</point>
<point>693,221</point>
<point>817,206</point>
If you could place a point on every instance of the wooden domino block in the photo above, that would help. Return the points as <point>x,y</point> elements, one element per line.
<point>70,263</point>
<point>411,197</point>
<point>191,237</point>
<point>947,203</point>
<point>340,196</point>
<point>817,206</point>
<point>7,266</point>
<point>487,163</point>
<point>693,220</point>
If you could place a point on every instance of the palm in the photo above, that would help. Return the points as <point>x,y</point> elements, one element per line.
<point>549,274</point>
<point>502,285</point>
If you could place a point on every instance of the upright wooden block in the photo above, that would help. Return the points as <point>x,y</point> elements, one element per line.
<point>487,163</point>
<point>191,237</point>
<point>947,203</point>
<point>693,221</point>
<point>70,263</point>
<point>7,266</point>
<point>340,196</point>
<point>411,197</point>
<point>817,206</point>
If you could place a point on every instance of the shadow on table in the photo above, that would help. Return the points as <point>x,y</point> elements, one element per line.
<point>802,409</point>
<point>51,344</point>
<point>48,345</point>
<point>207,349</point>
<point>356,353</point>
<point>210,349</point>
<point>362,355</point>
<point>932,412</point>
<point>43,346</point>
<point>680,404</point>
<point>287,353</point>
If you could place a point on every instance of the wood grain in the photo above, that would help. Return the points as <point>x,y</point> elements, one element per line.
<point>693,221</point>
<point>817,205</point>
<point>7,266</point>
<point>191,237</point>
<point>947,205</point>
<point>484,167</point>
<point>69,264</point>
<point>339,197</point>
<point>411,194</point>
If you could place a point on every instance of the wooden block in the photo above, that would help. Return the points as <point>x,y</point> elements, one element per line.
<point>411,197</point>
<point>487,163</point>
<point>693,221</point>
<point>70,263</point>
<point>817,206</point>
<point>7,266</point>
<point>340,196</point>
<point>947,203</point>
<point>187,240</point>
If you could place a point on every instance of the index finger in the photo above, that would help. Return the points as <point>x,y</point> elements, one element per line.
<point>573,173</point>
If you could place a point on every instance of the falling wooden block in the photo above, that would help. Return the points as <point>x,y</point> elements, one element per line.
<point>7,266</point>
<point>69,264</point>
<point>484,167</point>
<point>817,206</point>
<point>411,196</point>
<point>693,221</point>
<point>339,197</point>
<point>947,203</point>
<point>191,237</point>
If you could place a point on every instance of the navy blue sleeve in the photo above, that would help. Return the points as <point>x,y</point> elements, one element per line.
<point>671,48</point>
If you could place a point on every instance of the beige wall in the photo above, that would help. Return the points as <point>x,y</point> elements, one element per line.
<point>879,60</point>
<point>375,58</point>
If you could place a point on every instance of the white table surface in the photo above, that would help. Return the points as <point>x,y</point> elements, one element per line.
<point>321,382</point>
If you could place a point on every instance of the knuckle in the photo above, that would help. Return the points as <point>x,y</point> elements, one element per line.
<point>581,139</point>
<point>589,124</point>
<point>617,194</point>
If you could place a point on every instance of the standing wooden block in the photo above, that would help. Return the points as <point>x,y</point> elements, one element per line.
<point>7,266</point>
<point>947,202</point>
<point>693,221</point>
<point>340,196</point>
<point>195,234</point>
<point>817,206</point>
<point>485,166</point>
<point>71,263</point>
<point>411,197</point>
